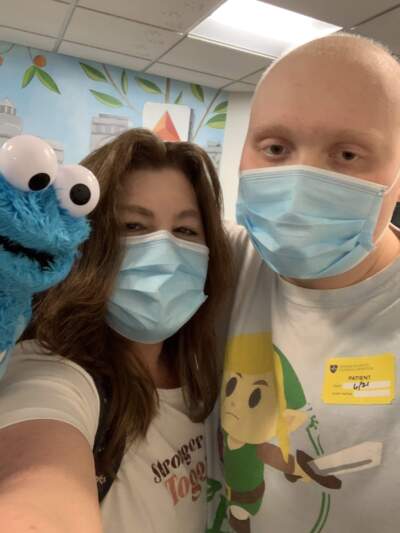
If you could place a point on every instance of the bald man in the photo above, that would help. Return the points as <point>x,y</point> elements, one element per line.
<point>313,445</point>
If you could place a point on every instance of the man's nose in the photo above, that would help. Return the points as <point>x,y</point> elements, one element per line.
<point>312,158</point>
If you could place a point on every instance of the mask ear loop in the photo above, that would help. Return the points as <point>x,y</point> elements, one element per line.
<point>386,192</point>
<point>392,185</point>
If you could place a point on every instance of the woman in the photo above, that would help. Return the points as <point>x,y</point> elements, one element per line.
<point>133,330</point>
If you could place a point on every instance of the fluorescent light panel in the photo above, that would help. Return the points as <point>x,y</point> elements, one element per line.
<point>259,27</point>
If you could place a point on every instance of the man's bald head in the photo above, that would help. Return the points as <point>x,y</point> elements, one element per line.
<point>346,47</point>
<point>368,63</point>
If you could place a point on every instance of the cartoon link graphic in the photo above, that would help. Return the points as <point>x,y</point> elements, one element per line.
<point>263,400</point>
<point>42,224</point>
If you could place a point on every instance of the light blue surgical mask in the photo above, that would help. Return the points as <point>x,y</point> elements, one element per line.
<point>160,286</point>
<point>309,223</point>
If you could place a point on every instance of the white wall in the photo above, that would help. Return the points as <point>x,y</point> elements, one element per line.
<point>235,133</point>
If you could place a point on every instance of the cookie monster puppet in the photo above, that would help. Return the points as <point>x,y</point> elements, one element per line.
<point>42,223</point>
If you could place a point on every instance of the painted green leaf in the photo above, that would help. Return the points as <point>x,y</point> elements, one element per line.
<point>93,73</point>
<point>124,82</point>
<point>47,80</point>
<point>106,99</point>
<point>28,76</point>
<point>148,86</point>
<point>217,121</point>
<point>197,91</point>
<point>178,99</point>
<point>221,108</point>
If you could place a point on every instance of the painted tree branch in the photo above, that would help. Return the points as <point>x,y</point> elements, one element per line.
<point>205,115</point>
<point>120,93</point>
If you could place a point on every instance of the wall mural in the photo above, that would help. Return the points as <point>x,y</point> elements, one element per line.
<point>78,105</point>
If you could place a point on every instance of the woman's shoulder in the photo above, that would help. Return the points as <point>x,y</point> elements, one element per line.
<point>30,354</point>
<point>42,385</point>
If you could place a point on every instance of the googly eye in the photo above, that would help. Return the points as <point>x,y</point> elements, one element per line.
<point>28,163</point>
<point>77,190</point>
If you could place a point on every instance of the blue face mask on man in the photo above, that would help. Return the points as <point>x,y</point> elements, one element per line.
<point>309,223</point>
<point>160,286</point>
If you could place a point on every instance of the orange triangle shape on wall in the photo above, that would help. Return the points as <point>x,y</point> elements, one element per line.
<point>165,128</point>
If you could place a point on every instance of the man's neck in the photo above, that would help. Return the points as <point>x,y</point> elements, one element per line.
<point>385,253</point>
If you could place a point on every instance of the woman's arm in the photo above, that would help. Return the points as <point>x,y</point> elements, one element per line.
<point>47,479</point>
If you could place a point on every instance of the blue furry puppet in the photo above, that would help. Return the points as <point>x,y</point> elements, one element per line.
<point>42,223</point>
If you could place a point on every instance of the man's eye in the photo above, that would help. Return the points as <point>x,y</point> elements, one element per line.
<point>348,156</point>
<point>275,150</point>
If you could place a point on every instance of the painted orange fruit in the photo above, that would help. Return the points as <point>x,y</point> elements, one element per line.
<point>40,61</point>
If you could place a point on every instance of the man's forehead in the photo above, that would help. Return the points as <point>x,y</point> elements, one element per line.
<point>347,63</point>
<point>320,103</point>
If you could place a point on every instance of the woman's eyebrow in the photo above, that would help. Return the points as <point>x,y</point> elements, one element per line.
<point>139,210</point>
<point>188,213</point>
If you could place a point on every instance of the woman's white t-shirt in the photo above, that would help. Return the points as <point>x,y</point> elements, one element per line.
<point>161,483</point>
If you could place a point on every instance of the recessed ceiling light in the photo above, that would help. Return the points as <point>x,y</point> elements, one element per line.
<point>260,28</point>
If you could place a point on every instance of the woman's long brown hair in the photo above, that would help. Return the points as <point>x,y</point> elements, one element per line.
<point>70,319</point>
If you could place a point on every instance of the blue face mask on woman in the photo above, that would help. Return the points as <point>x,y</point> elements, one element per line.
<point>160,286</point>
<point>309,223</point>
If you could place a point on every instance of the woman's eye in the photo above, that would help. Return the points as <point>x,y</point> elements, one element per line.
<point>185,231</point>
<point>134,226</point>
<point>275,150</point>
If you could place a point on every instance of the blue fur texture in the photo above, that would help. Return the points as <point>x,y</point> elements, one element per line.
<point>34,220</point>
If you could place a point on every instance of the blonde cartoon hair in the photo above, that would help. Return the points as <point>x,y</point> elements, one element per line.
<point>254,353</point>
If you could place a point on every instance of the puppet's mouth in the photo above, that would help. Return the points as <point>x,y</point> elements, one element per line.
<point>44,259</point>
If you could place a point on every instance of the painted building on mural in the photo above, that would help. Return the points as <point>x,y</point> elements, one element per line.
<point>106,127</point>
<point>11,125</point>
<point>10,122</point>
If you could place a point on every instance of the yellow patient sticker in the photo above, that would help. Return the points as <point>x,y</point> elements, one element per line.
<point>361,380</point>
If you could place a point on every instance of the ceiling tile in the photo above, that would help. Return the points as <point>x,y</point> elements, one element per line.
<point>41,16</point>
<point>191,76</point>
<point>214,59</point>
<point>254,78</point>
<point>102,56</point>
<point>384,29</point>
<point>344,13</point>
<point>173,14</point>
<point>239,87</point>
<point>26,39</point>
<point>119,35</point>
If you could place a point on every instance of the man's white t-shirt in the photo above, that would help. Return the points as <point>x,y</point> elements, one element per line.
<point>293,461</point>
<point>161,483</point>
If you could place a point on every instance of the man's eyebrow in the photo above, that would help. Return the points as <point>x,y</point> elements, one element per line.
<point>353,135</point>
<point>239,374</point>
<point>261,382</point>
<point>138,210</point>
<point>273,130</point>
<point>363,135</point>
